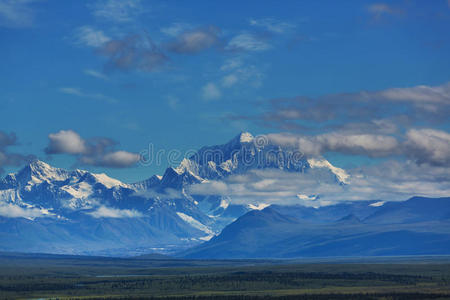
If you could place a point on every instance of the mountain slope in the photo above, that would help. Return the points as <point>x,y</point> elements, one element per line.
<point>288,232</point>
<point>47,209</point>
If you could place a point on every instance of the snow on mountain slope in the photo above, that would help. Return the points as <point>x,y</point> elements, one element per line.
<point>42,194</point>
<point>241,155</point>
<point>190,220</point>
<point>163,204</point>
<point>341,175</point>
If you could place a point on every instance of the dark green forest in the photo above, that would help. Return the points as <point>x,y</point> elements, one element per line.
<point>65,277</point>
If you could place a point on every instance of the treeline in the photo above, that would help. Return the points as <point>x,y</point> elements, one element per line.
<point>362,296</point>
<point>237,281</point>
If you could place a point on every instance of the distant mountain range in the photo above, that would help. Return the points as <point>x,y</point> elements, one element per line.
<point>52,210</point>
<point>419,226</point>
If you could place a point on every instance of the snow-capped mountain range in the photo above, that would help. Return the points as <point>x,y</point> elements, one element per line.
<point>47,209</point>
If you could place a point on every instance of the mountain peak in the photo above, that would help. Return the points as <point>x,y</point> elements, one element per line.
<point>39,164</point>
<point>41,171</point>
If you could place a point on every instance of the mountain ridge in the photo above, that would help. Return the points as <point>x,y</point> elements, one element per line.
<point>43,208</point>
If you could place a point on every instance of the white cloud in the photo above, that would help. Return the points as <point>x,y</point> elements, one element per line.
<point>120,159</point>
<point>428,146</point>
<point>426,97</point>
<point>211,92</point>
<point>360,144</point>
<point>10,210</point>
<point>248,42</point>
<point>391,180</point>
<point>109,212</point>
<point>394,180</point>
<point>95,151</point>
<point>66,141</point>
<point>269,186</point>
<point>425,146</point>
<point>89,36</point>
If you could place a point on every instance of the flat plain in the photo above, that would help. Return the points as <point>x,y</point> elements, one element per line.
<point>78,277</point>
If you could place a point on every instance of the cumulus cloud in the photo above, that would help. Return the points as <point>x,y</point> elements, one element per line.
<point>399,180</point>
<point>369,183</point>
<point>89,36</point>
<point>133,52</point>
<point>8,158</point>
<point>260,186</point>
<point>116,159</point>
<point>194,41</point>
<point>428,146</point>
<point>109,212</point>
<point>355,144</point>
<point>66,141</point>
<point>119,11</point>
<point>17,14</point>
<point>427,97</point>
<point>423,146</point>
<point>360,144</point>
<point>211,92</point>
<point>248,42</point>
<point>95,151</point>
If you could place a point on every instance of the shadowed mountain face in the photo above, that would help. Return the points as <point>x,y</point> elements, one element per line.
<point>415,227</point>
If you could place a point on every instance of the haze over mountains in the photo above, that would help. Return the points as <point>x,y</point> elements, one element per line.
<point>46,209</point>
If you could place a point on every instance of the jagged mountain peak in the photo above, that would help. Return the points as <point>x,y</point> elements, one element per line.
<point>244,153</point>
<point>38,171</point>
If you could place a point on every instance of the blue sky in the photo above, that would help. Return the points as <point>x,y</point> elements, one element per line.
<point>108,78</point>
